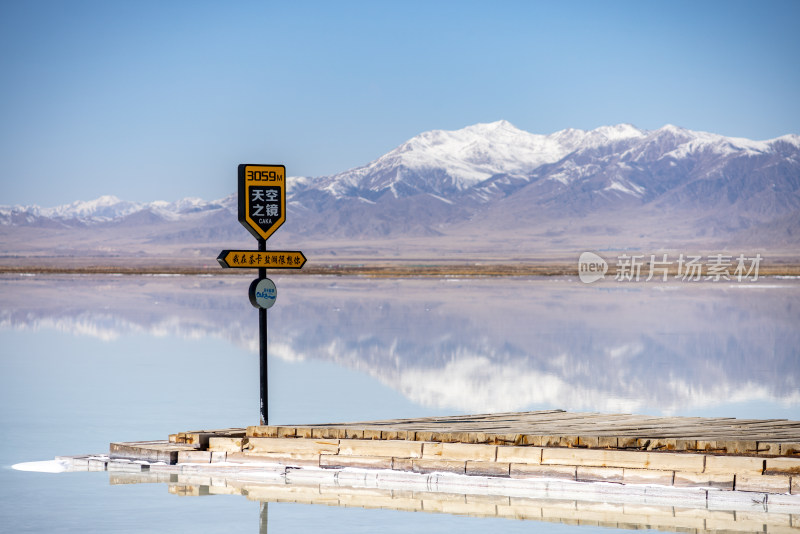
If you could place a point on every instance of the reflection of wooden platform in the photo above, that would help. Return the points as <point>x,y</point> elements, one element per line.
<point>548,502</point>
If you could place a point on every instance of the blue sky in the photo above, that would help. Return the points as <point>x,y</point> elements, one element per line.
<point>158,100</point>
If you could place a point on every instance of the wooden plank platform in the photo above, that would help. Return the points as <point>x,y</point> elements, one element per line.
<point>723,454</point>
<point>148,451</point>
<point>555,428</point>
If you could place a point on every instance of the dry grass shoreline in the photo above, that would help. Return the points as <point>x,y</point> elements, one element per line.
<point>366,269</point>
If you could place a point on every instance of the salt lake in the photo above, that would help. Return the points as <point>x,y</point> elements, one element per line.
<point>86,360</point>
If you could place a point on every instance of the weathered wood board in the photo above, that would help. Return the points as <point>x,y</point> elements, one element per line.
<point>554,428</point>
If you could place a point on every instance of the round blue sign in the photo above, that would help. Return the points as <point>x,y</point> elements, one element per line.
<point>263,293</point>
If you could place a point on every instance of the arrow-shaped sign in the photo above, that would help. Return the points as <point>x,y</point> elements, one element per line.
<point>254,259</point>
<point>262,198</point>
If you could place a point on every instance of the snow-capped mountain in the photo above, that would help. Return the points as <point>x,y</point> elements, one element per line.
<point>614,185</point>
<point>450,162</point>
<point>108,208</point>
<point>504,178</point>
<point>446,162</point>
<point>671,168</point>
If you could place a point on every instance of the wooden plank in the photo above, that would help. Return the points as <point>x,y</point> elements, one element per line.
<point>149,451</point>
<point>647,476</point>
<point>599,474</point>
<point>488,469</point>
<point>703,480</point>
<point>288,459</point>
<point>629,459</point>
<point>555,428</point>
<point>548,471</point>
<point>762,483</point>
<point>783,465</point>
<point>195,457</point>
<point>336,461</point>
<point>734,464</point>
<point>199,438</point>
<point>290,446</point>
<point>390,448</point>
<point>528,455</point>
<point>220,444</point>
<point>426,465</point>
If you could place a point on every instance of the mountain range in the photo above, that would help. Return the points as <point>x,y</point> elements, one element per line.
<point>487,190</point>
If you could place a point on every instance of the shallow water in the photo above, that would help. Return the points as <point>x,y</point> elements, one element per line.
<point>85,360</point>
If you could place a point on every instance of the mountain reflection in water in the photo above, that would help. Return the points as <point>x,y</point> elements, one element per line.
<point>471,345</point>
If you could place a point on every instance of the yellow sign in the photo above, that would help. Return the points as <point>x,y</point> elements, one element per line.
<point>262,198</point>
<point>254,259</point>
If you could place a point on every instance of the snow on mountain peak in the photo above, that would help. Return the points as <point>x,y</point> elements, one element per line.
<point>671,128</point>
<point>618,132</point>
<point>603,135</point>
<point>109,207</point>
<point>469,156</point>
<point>105,200</point>
<point>443,163</point>
<point>104,207</point>
<point>792,139</point>
<point>687,142</point>
<point>490,127</point>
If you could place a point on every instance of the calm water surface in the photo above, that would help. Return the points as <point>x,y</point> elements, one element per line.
<point>89,360</point>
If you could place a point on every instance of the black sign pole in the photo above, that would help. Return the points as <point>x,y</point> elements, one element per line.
<point>262,335</point>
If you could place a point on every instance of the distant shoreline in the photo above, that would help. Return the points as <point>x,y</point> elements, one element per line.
<point>374,269</point>
<point>361,269</point>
